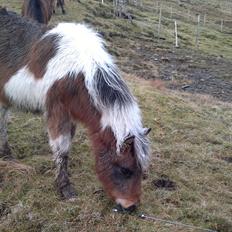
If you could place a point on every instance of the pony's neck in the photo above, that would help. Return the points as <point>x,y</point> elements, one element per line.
<point>83,110</point>
<point>71,92</point>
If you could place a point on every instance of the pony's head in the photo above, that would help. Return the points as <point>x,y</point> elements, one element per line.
<point>121,171</point>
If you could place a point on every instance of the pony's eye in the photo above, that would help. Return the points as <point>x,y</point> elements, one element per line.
<point>127,173</point>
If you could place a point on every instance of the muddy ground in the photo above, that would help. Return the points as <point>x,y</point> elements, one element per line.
<point>182,69</point>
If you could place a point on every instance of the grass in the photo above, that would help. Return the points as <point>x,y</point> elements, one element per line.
<point>190,141</point>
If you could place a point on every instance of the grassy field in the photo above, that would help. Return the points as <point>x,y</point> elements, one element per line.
<point>189,179</point>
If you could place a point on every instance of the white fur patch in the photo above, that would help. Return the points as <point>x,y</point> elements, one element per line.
<point>60,146</point>
<point>124,121</point>
<point>25,91</point>
<point>125,203</point>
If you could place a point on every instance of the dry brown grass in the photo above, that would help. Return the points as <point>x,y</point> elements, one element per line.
<point>15,166</point>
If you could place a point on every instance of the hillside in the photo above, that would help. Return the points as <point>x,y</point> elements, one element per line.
<point>189,179</point>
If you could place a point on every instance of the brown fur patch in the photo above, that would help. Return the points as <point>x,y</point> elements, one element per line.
<point>67,102</point>
<point>109,164</point>
<point>41,53</point>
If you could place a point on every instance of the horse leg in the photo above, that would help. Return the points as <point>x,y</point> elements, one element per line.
<point>61,131</point>
<point>53,5</point>
<point>4,146</point>
<point>62,6</point>
<point>63,10</point>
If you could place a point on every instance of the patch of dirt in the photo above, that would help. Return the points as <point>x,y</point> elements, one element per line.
<point>4,209</point>
<point>172,201</point>
<point>227,159</point>
<point>181,69</point>
<point>164,183</point>
<point>199,74</point>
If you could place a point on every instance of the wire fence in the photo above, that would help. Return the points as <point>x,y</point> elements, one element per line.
<point>182,25</point>
<point>192,17</point>
<point>187,26</point>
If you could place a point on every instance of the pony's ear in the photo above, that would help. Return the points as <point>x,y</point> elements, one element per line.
<point>146,131</point>
<point>128,141</point>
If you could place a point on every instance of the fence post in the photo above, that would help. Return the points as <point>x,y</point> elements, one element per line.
<point>222,22</point>
<point>204,19</point>
<point>198,31</point>
<point>157,6</point>
<point>189,14</point>
<point>176,34</point>
<point>159,25</point>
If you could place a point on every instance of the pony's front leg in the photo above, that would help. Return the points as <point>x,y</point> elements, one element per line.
<point>4,146</point>
<point>60,136</point>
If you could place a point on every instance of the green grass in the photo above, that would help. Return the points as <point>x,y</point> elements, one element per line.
<point>190,141</point>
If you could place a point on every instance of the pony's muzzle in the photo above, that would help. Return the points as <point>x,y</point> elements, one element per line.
<point>126,206</point>
<point>120,209</point>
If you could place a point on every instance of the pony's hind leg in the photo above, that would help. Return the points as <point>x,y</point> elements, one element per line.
<point>4,146</point>
<point>60,136</point>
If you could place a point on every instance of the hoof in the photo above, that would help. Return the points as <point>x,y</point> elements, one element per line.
<point>67,192</point>
<point>63,12</point>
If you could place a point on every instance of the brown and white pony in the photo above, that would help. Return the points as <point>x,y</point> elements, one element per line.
<point>39,10</point>
<point>66,73</point>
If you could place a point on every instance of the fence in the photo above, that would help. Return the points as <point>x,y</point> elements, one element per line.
<point>199,22</point>
<point>171,21</point>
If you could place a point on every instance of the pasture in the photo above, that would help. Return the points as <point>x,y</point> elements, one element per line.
<point>189,179</point>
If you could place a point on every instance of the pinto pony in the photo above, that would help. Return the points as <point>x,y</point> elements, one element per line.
<point>39,10</point>
<point>66,73</point>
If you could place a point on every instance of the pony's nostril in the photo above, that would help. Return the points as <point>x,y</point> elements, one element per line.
<point>121,209</point>
<point>130,209</point>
